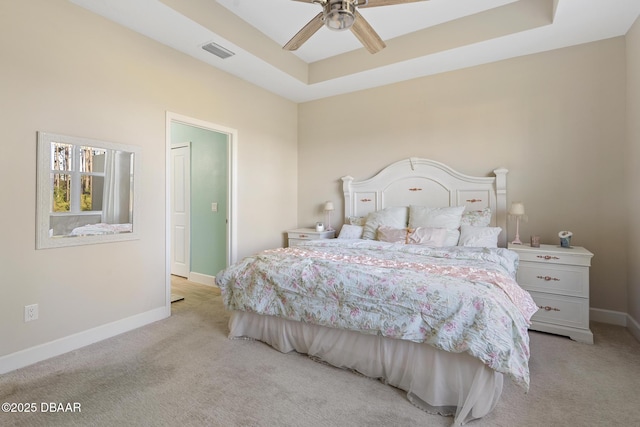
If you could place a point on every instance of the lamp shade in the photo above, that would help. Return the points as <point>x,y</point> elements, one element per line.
<point>328,206</point>
<point>517,208</point>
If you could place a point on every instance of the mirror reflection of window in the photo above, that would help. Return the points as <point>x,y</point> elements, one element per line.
<point>77,177</point>
<point>89,188</point>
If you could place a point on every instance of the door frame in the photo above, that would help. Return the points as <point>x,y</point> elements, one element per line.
<point>232,156</point>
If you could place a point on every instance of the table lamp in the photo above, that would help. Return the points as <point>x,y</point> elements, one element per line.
<point>516,211</point>
<point>328,208</point>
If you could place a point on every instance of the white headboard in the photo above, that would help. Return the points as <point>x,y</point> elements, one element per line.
<point>424,182</point>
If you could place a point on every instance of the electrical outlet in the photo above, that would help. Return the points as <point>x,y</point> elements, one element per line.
<point>30,312</point>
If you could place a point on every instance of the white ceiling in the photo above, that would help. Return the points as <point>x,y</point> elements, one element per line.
<point>422,38</point>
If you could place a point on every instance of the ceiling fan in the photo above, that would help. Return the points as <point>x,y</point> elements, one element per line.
<point>340,15</point>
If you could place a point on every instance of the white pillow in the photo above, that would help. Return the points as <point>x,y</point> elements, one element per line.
<point>427,236</point>
<point>449,218</point>
<point>394,217</point>
<point>453,236</point>
<point>485,237</point>
<point>481,218</point>
<point>349,231</point>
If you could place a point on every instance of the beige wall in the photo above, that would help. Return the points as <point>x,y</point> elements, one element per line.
<point>66,70</point>
<point>633,168</point>
<point>556,120</point>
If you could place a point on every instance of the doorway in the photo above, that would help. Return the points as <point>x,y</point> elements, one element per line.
<point>201,199</point>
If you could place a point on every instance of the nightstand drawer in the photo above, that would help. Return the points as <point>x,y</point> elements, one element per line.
<point>557,279</point>
<point>561,310</point>
<point>550,254</point>
<point>303,235</point>
<point>300,235</point>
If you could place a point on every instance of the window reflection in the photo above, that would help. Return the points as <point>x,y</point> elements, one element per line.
<point>88,188</point>
<point>82,189</point>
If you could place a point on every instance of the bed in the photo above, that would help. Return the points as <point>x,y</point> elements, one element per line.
<point>101,228</point>
<point>418,290</point>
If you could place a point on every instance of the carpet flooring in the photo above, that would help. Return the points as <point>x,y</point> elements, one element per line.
<point>184,371</point>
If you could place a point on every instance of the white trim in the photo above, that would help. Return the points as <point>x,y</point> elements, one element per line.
<point>634,327</point>
<point>203,279</point>
<point>232,251</point>
<point>167,213</point>
<point>616,318</point>
<point>181,144</point>
<point>608,316</point>
<point>576,334</point>
<point>41,352</point>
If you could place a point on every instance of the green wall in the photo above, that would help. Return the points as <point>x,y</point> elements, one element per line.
<point>209,172</point>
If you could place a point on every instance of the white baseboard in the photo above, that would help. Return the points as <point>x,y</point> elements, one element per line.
<point>608,316</point>
<point>634,327</point>
<point>202,279</point>
<point>616,318</point>
<point>32,355</point>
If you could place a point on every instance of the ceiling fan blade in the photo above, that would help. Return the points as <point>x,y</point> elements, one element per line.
<point>366,34</point>
<point>376,3</point>
<point>305,33</point>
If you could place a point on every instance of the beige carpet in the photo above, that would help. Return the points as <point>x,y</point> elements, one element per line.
<point>184,371</point>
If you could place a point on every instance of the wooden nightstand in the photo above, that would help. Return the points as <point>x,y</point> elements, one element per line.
<point>558,280</point>
<point>303,234</point>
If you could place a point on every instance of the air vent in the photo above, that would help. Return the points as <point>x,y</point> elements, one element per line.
<point>218,50</point>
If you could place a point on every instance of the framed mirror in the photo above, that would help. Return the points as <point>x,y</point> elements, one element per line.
<point>87,191</point>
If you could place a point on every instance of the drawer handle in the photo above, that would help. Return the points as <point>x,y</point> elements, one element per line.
<point>548,278</point>
<point>548,308</point>
<point>365,200</point>
<point>415,189</point>
<point>303,236</point>
<point>547,257</point>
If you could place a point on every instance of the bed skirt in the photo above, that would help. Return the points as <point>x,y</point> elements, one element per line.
<point>438,382</point>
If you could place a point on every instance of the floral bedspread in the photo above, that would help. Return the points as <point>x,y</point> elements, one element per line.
<point>457,299</point>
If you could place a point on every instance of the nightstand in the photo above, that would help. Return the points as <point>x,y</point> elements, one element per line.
<point>303,234</point>
<point>558,280</point>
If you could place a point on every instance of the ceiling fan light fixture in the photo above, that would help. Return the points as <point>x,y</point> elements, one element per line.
<point>340,15</point>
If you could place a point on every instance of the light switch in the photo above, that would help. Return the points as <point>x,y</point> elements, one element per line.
<point>214,207</point>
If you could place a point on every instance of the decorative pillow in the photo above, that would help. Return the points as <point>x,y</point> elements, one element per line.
<point>395,217</point>
<point>427,236</point>
<point>481,218</point>
<point>485,237</point>
<point>357,220</point>
<point>349,231</point>
<point>449,218</point>
<point>391,235</point>
<point>434,237</point>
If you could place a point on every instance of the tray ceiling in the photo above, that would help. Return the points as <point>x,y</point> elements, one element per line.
<point>422,38</point>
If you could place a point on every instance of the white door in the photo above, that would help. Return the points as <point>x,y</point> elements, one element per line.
<point>180,209</point>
